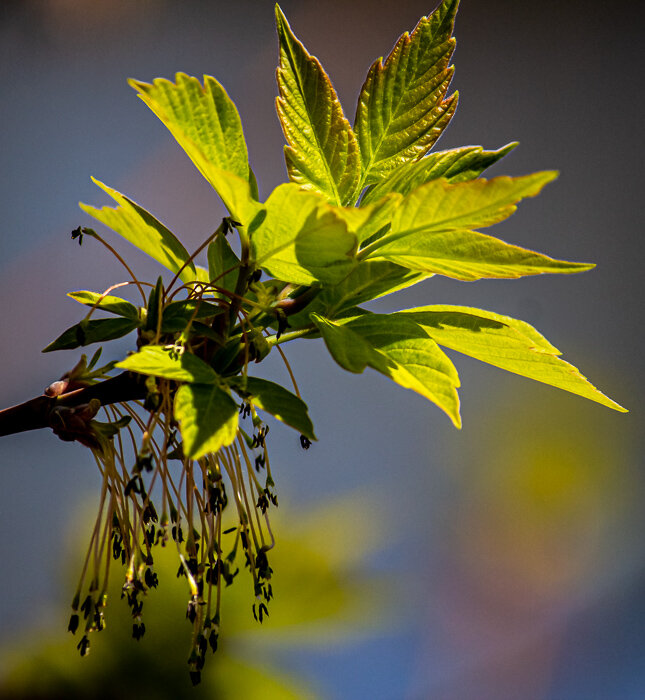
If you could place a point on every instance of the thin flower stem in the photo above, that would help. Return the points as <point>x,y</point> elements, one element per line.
<point>288,366</point>
<point>94,234</point>
<point>292,335</point>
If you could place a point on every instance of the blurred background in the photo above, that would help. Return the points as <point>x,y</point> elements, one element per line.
<point>510,551</point>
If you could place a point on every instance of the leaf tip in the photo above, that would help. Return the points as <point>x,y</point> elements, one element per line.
<point>280,17</point>
<point>583,267</point>
<point>505,150</point>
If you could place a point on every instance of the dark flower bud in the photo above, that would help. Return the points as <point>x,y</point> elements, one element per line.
<point>195,677</point>
<point>73,624</point>
<point>84,646</point>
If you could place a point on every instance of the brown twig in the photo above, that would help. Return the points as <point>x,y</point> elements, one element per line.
<point>35,413</point>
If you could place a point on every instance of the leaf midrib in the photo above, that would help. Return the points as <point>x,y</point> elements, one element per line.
<point>385,132</point>
<point>296,73</point>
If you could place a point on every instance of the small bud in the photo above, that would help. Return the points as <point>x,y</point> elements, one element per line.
<point>84,646</point>
<point>57,388</point>
<point>77,233</point>
<point>195,677</point>
<point>73,624</point>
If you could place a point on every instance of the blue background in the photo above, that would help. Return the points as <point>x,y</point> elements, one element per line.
<point>516,541</point>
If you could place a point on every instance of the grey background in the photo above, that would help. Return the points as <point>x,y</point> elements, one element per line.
<point>564,79</point>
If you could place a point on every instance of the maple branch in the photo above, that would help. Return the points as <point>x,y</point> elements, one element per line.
<point>36,413</point>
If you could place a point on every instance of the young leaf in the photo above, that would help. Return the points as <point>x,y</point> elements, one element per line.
<point>92,331</point>
<point>456,165</point>
<point>369,280</point>
<point>159,361</point>
<point>115,305</point>
<point>154,307</point>
<point>277,401</point>
<point>469,255</point>
<point>322,154</point>
<point>178,314</point>
<point>201,118</point>
<point>439,206</point>
<point>201,274</point>
<point>371,220</point>
<point>140,228</point>
<point>302,239</point>
<point>207,417</point>
<point>430,231</point>
<point>504,342</point>
<point>205,123</point>
<point>402,351</point>
<point>222,264</point>
<point>402,108</point>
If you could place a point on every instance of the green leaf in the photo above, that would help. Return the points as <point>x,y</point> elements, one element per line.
<point>369,221</point>
<point>430,231</point>
<point>115,305</point>
<point>506,343</point>
<point>222,264</point>
<point>399,349</point>
<point>159,361</point>
<point>201,274</point>
<point>202,117</point>
<point>456,165</point>
<point>469,255</point>
<point>322,154</point>
<point>206,124</point>
<point>140,228</point>
<point>178,314</point>
<point>207,417</point>
<point>349,350</point>
<point>369,280</point>
<point>302,239</point>
<point>440,206</point>
<point>402,108</point>
<point>276,400</point>
<point>92,331</point>
<point>154,307</point>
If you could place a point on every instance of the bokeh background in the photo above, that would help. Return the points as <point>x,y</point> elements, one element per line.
<point>511,549</point>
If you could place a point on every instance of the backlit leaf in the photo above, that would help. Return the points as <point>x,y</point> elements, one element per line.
<point>370,220</point>
<point>277,401</point>
<point>115,305</point>
<point>322,154</point>
<point>455,165</point>
<point>222,264</point>
<point>440,206</point>
<point>159,361</point>
<point>370,279</point>
<point>140,228</point>
<point>302,240</point>
<point>92,331</point>
<point>469,255</point>
<point>178,314</point>
<point>400,350</point>
<point>430,231</point>
<point>402,108</point>
<point>506,343</point>
<point>206,124</point>
<point>207,417</point>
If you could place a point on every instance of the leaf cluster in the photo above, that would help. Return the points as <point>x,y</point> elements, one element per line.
<point>367,211</point>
